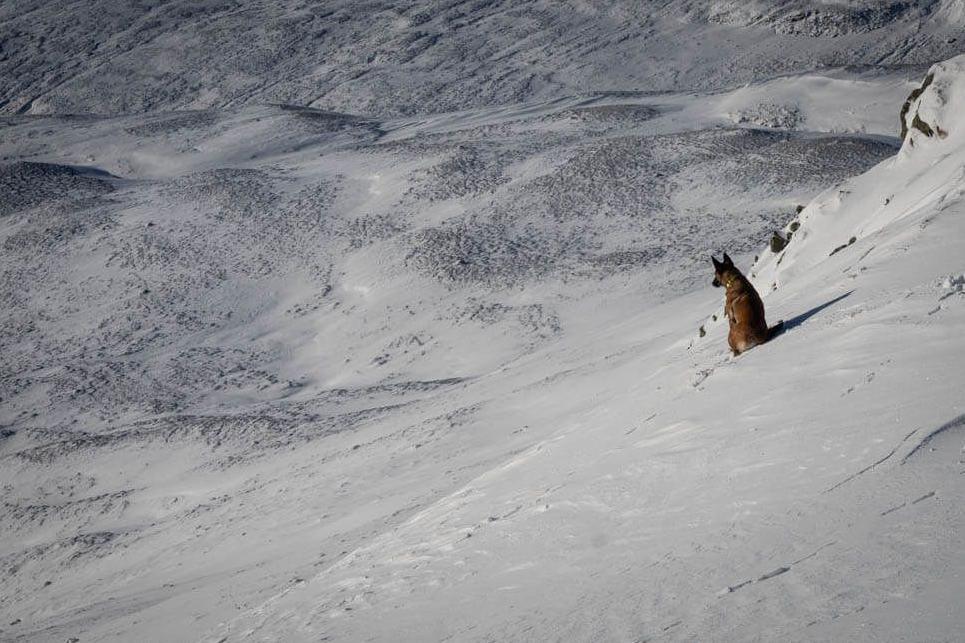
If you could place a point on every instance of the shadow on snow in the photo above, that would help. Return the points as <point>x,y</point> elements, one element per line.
<point>803,317</point>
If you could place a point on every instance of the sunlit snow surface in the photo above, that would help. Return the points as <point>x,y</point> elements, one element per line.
<point>275,373</point>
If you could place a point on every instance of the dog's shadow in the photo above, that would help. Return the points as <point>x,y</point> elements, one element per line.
<point>803,317</point>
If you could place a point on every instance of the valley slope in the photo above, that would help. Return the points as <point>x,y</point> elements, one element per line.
<point>275,372</point>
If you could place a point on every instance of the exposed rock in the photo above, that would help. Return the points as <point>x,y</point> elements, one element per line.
<point>778,242</point>
<point>915,94</point>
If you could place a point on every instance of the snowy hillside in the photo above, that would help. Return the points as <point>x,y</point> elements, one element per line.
<point>380,57</point>
<point>809,490</point>
<point>272,372</point>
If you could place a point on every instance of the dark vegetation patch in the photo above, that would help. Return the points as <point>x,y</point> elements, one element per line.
<point>609,115</point>
<point>601,210</point>
<point>318,120</point>
<point>488,253</point>
<point>67,552</point>
<point>31,515</point>
<point>173,123</point>
<point>536,320</point>
<point>365,230</point>
<point>229,193</point>
<point>468,170</point>
<point>622,260</point>
<point>242,436</point>
<point>26,184</point>
<point>813,20</point>
<point>50,225</point>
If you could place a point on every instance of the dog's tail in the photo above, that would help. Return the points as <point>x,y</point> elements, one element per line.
<point>775,330</point>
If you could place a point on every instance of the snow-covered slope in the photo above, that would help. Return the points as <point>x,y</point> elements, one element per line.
<point>277,373</point>
<point>398,57</point>
<point>809,490</point>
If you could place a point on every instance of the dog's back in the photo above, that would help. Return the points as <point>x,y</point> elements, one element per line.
<point>743,307</point>
<point>745,311</point>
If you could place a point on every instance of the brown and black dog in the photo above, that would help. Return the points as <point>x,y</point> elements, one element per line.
<point>743,307</point>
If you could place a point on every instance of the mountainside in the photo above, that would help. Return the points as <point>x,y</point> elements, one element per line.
<point>453,369</point>
<point>808,490</point>
<point>384,57</point>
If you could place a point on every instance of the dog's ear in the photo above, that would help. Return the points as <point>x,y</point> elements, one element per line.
<point>717,265</point>
<point>727,262</point>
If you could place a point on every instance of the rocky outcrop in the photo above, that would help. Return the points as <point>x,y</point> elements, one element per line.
<point>930,109</point>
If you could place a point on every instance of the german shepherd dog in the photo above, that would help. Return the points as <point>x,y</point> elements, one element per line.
<point>743,307</point>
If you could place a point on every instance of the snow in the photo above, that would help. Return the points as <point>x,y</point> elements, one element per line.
<point>280,373</point>
<point>394,57</point>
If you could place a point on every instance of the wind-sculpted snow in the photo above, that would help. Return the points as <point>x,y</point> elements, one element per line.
<point>383,57</point>
<point>820,20</point>
<point>272,370</point>
<point>201,254</point>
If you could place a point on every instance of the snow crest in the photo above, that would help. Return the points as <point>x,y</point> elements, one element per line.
<point>928,169</point>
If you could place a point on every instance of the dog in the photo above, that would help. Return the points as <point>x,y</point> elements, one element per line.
<point>743,307</point>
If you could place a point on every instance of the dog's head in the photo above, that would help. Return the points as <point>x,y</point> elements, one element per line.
<point>721,268</point>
